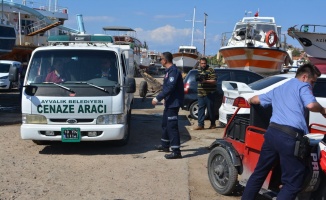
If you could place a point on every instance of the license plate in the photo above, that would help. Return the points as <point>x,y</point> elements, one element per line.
<point>70,134</point>
<point>229,101</point>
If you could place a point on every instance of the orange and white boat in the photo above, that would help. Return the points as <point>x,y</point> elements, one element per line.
<point>256,45</point>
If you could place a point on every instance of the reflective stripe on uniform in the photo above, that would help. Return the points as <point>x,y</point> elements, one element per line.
<point>173,118</point>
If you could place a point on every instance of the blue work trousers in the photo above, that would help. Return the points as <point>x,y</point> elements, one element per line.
<point>277,145</point>
<point>170,135</point>
<point>203,103</point>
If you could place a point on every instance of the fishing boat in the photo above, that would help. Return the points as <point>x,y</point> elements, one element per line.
<point>312,38</point>
<point>187,56</point>
<point>33,21</point>
<point>255,44</point>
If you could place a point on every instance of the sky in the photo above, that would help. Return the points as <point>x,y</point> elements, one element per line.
<point>167,24</point>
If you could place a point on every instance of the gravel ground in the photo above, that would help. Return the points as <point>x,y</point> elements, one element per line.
<point>101,171</point>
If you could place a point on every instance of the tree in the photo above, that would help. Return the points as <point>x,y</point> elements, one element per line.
<point>296,52</point>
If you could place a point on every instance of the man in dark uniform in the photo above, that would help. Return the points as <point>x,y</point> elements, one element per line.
<point>173,95</point>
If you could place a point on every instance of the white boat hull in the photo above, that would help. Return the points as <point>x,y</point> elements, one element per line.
<point>314,44</point>
<point>185,61</point>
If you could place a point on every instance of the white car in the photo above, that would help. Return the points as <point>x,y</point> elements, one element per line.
<point>233,90</point>
<point>4,73</point>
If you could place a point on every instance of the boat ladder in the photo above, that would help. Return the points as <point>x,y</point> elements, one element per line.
<point>41,27</point>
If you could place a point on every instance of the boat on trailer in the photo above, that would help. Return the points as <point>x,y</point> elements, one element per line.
<point>256,44</point>
<point>186,58</point>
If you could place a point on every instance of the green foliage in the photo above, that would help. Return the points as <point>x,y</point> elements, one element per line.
<point>296,52</point>
<point>212,60</point>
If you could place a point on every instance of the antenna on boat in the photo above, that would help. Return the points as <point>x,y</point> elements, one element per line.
<point>193,26</point>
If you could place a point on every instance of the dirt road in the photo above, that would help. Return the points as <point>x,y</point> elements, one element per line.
<point>100,171</point>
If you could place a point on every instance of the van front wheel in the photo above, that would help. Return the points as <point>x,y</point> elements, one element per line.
<point>124,140</point>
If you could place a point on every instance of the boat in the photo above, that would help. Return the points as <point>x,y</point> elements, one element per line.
<point>145,61</point>
<point>187,56</point>
<point>126,38</point>
<point>34,22</point>
<point>153,57</point>
<point>255,44</point>
<point>312,38</point>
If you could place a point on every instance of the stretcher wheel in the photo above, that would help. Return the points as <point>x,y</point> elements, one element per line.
<point>221,172</point>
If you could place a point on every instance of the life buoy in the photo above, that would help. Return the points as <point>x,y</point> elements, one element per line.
<point>271,38</point>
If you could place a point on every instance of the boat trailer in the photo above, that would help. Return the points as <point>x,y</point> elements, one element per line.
<point>149,85</point>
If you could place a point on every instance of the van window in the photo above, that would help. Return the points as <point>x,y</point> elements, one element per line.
<point>93,66</point>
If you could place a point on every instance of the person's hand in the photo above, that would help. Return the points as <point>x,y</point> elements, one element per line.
<point>323,112</point>
<point>154,101</point>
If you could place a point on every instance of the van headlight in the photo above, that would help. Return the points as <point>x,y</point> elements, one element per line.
<point>111,119</point>
<point>34,119</point>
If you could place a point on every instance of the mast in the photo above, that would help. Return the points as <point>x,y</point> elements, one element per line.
<point>193,27</point>
<point>204,34</point>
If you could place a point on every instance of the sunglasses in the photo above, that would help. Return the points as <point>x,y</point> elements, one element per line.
<point>160,59</point>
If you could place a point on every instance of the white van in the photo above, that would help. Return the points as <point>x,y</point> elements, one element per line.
<point>4,73</point>
<point>83,105</point>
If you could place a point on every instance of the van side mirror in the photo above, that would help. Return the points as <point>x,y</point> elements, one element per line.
<point>30,90</point>
<point>13,74</point>
<point>130,85</point>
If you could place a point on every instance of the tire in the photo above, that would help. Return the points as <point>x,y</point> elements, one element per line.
<point>10,87</point>
<point>125,140</point>
<point>194,111</point>
<point>221,172</point>
<point>143,87</point>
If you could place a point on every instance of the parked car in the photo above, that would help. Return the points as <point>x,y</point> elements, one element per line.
<point>4,74</point>
<point>234,90</point>
<point>190,87</point>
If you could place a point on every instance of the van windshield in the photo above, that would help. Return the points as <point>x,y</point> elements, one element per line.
<point>4,67</point>
<point>74,66</point>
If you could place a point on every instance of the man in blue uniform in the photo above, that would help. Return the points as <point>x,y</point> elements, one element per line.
<point>289,101</point>
<point>173,95</point>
